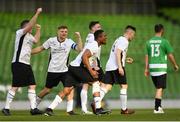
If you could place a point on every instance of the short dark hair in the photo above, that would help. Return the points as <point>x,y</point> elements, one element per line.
<point>158,28</point>
<point>93,23</point>
<point>98,33</point>
<point>24,22</point>
<point>62,27</point>
<point>130,27</point>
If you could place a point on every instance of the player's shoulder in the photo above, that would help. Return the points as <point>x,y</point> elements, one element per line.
<point>122,39</point>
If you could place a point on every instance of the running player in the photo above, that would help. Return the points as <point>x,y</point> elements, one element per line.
<point>157,50</point>
<point>21,69</point>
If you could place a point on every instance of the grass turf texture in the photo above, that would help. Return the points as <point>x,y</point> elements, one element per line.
<point>60,115</point>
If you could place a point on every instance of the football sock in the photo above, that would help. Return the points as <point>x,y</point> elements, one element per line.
<point>103,91</point>
<point>69,105</point>
<point>84,100</point>
<point>157,103</point>
<point>38,100</point>
<point>123,98</point>
<point>32,98</point>
<point>9,98</point>
<point>97,101</point>
<point>56,101</point>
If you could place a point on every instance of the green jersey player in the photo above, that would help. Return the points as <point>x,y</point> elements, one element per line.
<point>157,51</point>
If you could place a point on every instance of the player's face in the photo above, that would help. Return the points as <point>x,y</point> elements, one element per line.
<point>97,27</point>
<point>131,35</point>
<point>103,38</point>
<point>62,33</point>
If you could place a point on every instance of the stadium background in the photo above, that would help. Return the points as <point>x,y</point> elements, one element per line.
<point>114,15</point>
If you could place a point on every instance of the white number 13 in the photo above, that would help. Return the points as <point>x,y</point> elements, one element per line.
<point>155,52</point>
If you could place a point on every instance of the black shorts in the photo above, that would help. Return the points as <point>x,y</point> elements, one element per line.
<point>159,81</point>
<point>22,75</point>
<point>53,79</point>
<point>112,77</point>
<point>77,75</point>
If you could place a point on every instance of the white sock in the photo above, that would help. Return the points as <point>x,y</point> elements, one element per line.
<point>84,100</point>
<point>123,98</point>
<point>56,101</point>
<point>32,98</point>
<point>69,105</point>
<point>97,102</point>
<point>103,91</point>
<point>9,98</point>
<point>38,100</point>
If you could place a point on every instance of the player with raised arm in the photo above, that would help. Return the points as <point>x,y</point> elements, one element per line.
<point>60,47</point>
<point>115,68</point>
<point>21,69</point>
<point>157,51</point>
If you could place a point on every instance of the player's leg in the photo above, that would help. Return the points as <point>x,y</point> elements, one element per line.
<point>160,84</point>
<point>58,99</point>
<point>84,98</point>
<point>104,88</point>
<point>32,99</point>
<point>70,102</point>
<point>123,92</point>
<point>42,94</point>
<point>9,98</point>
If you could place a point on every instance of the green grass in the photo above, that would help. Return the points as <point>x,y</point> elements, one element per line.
<point>140,115</point>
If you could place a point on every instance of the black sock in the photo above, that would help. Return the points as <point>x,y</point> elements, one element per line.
<point>157,103</point>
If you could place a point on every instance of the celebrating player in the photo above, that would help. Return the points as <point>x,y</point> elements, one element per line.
<point>21,69</point>
<point>60,48</point>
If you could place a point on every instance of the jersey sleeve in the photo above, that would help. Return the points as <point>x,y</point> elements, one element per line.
<point>20,32</point>
<point>46,44</point>
<point>72,44</point>
<point>122,45</point>
<point>93,48</point>
<point>168,47</point>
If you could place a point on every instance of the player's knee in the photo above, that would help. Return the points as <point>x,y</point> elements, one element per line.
<point>67,91</point>
<point>95,87</point>
<point>123,91</point>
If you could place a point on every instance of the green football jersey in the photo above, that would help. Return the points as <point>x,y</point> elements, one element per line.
<point>157,49</point>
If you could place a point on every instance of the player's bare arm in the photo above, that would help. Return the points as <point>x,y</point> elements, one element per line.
<point>85,58</point>
<point>118,59</point>
<point>173,61</point>
<point>146,71</point>
<point>38,33</point>
<point>79,46</point>
<point>37,50</point>
<point>32,22</point>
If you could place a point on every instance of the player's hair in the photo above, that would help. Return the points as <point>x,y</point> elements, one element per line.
<point>98,33</point>
<point>158,28</point>
<point>62,27</point>
<point>130,27</point>
<point>23,23</point>
<point>92,24</point>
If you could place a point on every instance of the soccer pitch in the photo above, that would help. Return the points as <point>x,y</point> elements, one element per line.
<point>60,115</point>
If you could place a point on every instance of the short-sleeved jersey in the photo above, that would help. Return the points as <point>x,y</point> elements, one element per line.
<point>23,47</point>
<point>120,43</point>
<point>90,38</point>
<point>59,53</point>
<point>157,49</point>
<point>93,48</point>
